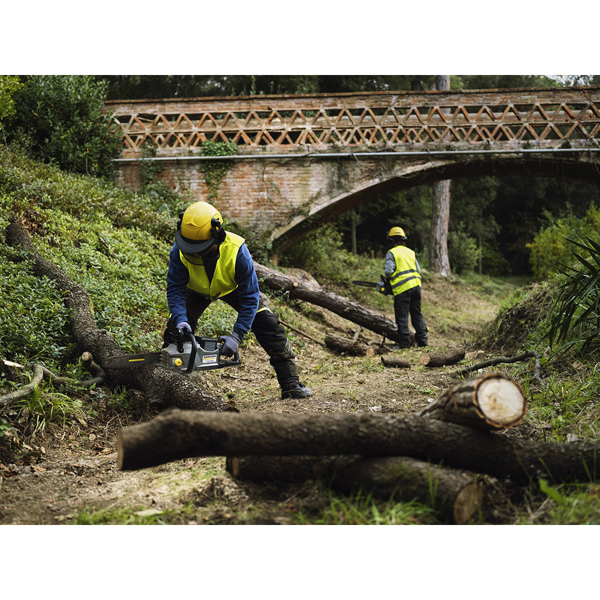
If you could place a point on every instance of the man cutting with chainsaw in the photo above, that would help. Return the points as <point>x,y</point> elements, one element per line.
<point>404,274</point>
<point>206,264</point>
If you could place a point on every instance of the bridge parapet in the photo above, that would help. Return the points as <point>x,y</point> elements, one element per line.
<point>511,119</point>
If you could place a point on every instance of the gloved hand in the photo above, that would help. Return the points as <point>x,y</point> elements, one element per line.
<point>183,328</point>
<point>380,287</point>
<point>230,343</point>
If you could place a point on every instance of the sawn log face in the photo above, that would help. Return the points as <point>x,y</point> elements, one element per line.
<point>491,402</point>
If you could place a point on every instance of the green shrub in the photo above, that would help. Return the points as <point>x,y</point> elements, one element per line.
<point>551,247</point>
<point>63,117</point>
<point>463,253</point>
<point>320,251</point>
<point>576,318</point>
<point>27,184</point>
<point>9,87</point>
<point>33,316</point>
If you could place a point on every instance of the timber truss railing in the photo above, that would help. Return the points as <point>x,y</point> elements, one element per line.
<point>540,119</point>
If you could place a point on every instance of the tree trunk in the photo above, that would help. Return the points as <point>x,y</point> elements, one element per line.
<point>395,362</point>
<point>345,346</point>
<point>160,385</point>
<point>440,216</point>
<point>186,434</point>
<point>337,304</point>
<point>454,495</point>
<point>440,213</point>
<point>441,360</point>
<point>489,402</point>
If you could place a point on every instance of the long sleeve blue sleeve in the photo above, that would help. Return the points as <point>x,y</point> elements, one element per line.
<point>248,290</point>
<point>177,279</point>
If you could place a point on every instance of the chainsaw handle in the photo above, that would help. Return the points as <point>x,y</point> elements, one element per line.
<point>235,359</point>
<point>192,359</point>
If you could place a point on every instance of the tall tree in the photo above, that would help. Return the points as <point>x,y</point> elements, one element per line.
<point>440,212</point>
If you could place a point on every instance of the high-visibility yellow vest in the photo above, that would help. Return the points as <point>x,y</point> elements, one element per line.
<point>223,281</point>
<point>406,276</point>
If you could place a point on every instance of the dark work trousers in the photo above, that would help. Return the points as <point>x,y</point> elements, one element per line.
<point>406,303</point>
<point>266,327</point>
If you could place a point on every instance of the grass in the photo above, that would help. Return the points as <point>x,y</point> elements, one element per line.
<point>363,509</point>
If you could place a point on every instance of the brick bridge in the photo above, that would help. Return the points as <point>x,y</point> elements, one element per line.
<point>303,159</point>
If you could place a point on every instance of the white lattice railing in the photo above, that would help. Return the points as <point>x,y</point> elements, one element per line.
<point>540,118</point>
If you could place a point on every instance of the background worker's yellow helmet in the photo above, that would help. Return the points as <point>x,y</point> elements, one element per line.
<point>397,232</point>
<point>199,227</point>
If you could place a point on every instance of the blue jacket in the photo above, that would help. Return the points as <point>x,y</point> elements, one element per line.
<point>245,276</point>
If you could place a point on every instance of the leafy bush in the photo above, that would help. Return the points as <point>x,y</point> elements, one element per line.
<point>576,319</point>
<point>64,119</point>
<point>9,87</point>
<point>462,252</point>
<point>318,252</point>
<point>551,246</point>
<point>27,184</point>
<point>33,316</point>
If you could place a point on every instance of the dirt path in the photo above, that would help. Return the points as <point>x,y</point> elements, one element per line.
<point>70,473</point>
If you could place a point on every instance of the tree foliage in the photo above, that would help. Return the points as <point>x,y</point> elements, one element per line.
<point>576,320</point>
<point>63,121</point>
<point>9,88</point>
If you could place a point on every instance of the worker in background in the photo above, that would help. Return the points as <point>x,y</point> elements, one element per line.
<point>206,264</point>
<point>404,275</point>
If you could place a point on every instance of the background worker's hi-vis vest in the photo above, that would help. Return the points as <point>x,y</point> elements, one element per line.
<point>223,281</point>
<point>406,276</point>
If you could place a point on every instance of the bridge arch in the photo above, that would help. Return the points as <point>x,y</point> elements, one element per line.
<point>410,173</point>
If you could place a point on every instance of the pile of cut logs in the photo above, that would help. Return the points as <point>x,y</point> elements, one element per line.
<point>435,456</point>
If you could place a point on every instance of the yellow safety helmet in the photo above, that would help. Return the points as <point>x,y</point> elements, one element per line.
<point>397,232</point>
<point>199,227</point>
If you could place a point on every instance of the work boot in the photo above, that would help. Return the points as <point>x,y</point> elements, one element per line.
<point>294,389</point>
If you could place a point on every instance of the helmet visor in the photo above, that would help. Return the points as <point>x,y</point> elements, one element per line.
<point>192,246</point>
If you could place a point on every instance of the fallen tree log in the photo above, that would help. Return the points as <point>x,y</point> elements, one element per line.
<point>345,346</point>
<point>160,385</point>
<point>492,402</point>
<point>442,360</point>
<point>187,434</point>
<point>454,495</point>
<point>502,360</point>
<point>395,362</point>
<point>337,304</point>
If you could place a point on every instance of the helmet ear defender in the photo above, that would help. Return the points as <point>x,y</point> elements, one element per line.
<point>217,231</point>
<point>180,219</point>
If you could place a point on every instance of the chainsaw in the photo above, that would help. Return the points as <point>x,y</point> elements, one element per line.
<point>184,356</point>
<point>384,286</point>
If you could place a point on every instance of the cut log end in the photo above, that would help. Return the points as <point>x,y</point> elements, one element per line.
<point>120,452</point>
<point>501,401</point>
<point>467,503</point>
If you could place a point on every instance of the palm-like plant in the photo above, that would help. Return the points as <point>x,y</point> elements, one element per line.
<point>576,319</point>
